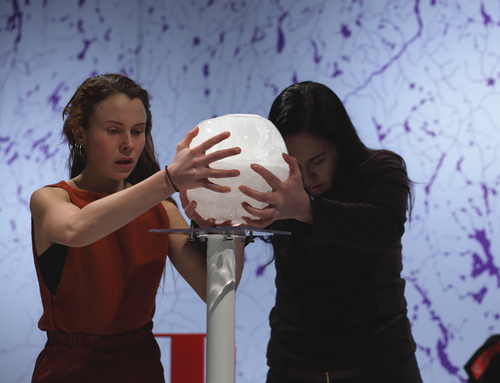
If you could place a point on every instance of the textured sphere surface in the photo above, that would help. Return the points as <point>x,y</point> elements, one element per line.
<point>260,142</point>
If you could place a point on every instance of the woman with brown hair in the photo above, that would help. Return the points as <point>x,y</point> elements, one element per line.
<point>97,264</point>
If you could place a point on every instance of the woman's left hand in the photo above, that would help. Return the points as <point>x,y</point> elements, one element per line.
<point>288,200</point>
<point>190,210</point>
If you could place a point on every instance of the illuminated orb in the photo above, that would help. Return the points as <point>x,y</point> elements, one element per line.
<point>260,142</point>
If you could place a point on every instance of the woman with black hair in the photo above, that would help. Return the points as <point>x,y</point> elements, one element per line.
<point>340,312</point>
<point>98,266</point>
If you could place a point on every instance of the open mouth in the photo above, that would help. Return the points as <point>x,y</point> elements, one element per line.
<point>126,162</point>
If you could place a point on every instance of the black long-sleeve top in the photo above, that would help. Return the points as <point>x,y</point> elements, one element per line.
<point>340,297</point>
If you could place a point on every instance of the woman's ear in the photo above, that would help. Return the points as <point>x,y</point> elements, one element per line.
<point>79,134</point>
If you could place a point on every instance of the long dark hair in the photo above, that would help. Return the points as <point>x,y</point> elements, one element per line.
<point>313,108</point>
<point>83,104</point>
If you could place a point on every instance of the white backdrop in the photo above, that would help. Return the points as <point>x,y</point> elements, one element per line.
<point>419,77</point>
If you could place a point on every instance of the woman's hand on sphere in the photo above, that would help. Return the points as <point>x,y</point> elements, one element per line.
<point>288,200</point>
<point>190,167</point>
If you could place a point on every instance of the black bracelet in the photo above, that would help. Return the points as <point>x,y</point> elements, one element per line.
<point>170,179</point>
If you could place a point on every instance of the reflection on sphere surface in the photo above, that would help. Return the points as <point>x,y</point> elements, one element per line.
<point>260,143</point>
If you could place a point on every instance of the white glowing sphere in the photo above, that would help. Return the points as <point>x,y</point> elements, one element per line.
<point>260,142</point>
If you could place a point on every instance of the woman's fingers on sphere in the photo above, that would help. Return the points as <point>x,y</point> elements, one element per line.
<point>260,213</point>
<point>289,159</point>
<point>248,208</point>
<point>191,212</point>
<point>271,179</point>
<point>190,207</point>
<point>188,138</point>
<point>223,173</point>
<point>184,199</point>
<point>212,141</point>
<point>293,165</point>
<point>254,194</point>
<point>216,188</point>
<point>221,154</point>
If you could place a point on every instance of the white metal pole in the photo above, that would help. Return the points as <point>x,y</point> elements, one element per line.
<point>220,365</point>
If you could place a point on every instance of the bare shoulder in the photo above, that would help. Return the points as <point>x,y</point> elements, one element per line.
<point>48,195</point>
<point>45,203</point>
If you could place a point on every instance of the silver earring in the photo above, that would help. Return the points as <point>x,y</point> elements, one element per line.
<point>80,150</point>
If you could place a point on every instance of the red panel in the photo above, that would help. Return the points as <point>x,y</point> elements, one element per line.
<point>188,357</point>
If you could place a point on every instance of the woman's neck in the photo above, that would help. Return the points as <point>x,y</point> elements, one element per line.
<point>96,184</point>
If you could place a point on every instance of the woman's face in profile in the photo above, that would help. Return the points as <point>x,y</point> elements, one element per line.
<point>317,159</point>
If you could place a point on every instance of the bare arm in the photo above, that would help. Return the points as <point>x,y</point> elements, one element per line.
<point>64,223</point>
<point>188,260</point>
<point>57,220</point>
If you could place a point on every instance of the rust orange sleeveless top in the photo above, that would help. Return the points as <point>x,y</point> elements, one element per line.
<point>108,287</point>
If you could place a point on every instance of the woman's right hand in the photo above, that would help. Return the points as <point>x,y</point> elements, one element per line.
<point>287,200</point>
<point>190,167</point>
